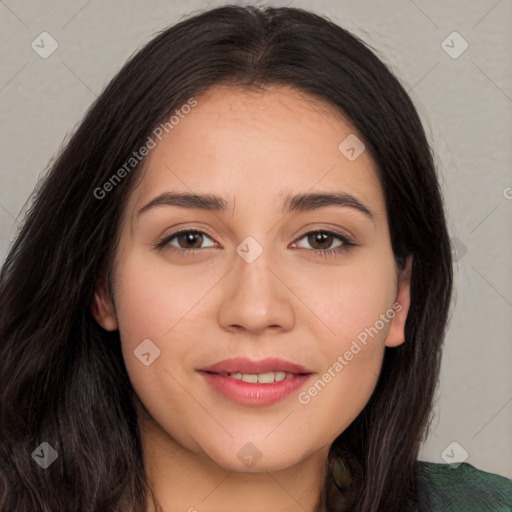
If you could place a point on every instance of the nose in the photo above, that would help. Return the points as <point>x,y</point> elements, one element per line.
<point>257,297</point>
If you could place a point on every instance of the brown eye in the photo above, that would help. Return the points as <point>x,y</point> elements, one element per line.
<point>186,240</point>
<point>189,239</point>
<point>320,243</point>
<point>320,240</point>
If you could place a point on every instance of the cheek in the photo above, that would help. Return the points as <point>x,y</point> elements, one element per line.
<point>349,300</point>
<point>147,308</point>
<point>355,304</point>
<point>153,305</point>
<point>358,311</point>
<point>336,397</point>
<point>152,297</point>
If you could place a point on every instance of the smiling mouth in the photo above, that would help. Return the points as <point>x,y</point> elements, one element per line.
<point>255,383</point>
<point>258,378</point>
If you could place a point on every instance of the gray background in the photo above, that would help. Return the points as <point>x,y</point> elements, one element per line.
<point>465,104</point>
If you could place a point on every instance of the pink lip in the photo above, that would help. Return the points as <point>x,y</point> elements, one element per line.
<point>254,394</point>
<point>244,365</point>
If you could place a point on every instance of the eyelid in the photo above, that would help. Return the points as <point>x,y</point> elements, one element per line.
<point>347,238</point>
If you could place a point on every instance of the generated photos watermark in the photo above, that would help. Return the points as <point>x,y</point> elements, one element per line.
<point>304,397</point>
<point>143,151</point>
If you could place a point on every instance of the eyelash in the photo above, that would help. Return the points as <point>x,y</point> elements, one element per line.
<point>346,241</point>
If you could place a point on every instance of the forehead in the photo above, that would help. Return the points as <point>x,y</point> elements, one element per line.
<point>260,145</point>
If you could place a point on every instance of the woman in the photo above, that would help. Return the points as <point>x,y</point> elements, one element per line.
<point>290,362</point>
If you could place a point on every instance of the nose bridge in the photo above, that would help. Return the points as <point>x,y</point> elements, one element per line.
<point>256,298</point>
<point>253,266</point>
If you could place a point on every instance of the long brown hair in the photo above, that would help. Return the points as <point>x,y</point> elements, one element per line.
<point>63,379</point>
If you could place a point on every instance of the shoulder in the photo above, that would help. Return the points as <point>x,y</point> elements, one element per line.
<point>446,488</point>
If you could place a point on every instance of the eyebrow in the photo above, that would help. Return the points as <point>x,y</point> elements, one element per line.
<point>292,203</point>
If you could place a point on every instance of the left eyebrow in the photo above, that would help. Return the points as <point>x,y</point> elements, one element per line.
<point>292,203</point>
<point>310,202</point>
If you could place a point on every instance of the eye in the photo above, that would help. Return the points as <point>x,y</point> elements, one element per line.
<point>321,241</point>
<point>187,240</point>
<point>191,240</point>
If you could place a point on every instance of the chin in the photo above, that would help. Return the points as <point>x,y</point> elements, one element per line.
<point>252,457</point>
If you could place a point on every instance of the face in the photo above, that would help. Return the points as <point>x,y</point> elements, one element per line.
<point>306,289</point>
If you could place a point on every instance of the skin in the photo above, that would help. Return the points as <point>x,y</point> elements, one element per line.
<point>252,148</point>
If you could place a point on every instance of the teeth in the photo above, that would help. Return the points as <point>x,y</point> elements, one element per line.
<point>282,375</point>
<point>260,378</point>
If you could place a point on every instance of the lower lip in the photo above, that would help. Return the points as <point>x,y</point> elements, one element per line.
<point>254,394</point>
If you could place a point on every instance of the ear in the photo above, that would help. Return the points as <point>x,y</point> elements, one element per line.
<point>102,307</point>
<point>396,332</point>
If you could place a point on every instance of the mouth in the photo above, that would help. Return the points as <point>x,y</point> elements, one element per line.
<point>255,383</point>
<point>258,378</point>
<point>245,366</point>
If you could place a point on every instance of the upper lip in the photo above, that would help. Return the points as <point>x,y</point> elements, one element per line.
<point>249,366</point>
